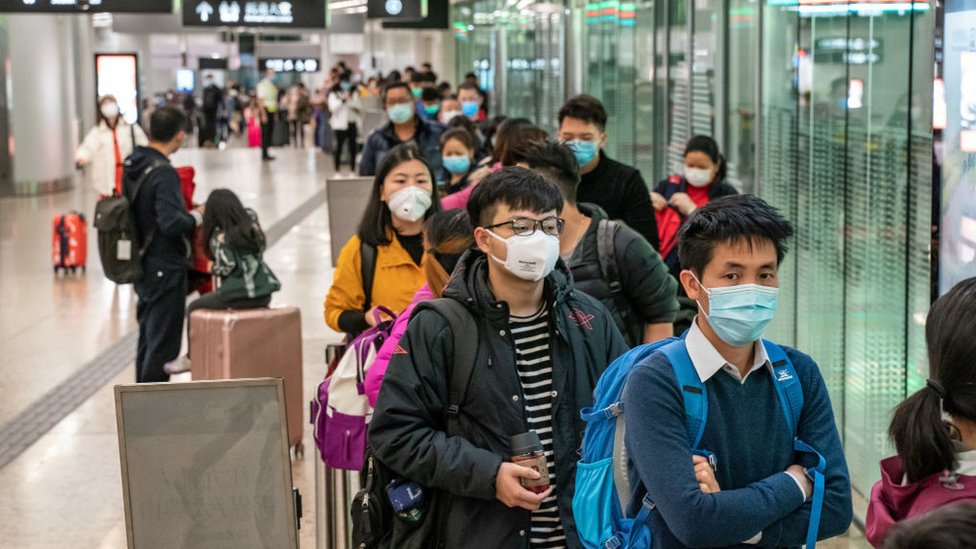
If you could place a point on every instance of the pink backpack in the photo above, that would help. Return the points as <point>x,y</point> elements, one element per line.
<point>341,410</point>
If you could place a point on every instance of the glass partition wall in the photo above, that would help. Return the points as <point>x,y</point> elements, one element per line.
<point>820,107</point>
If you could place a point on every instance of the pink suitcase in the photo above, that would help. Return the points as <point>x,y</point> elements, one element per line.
<point>253,343</point>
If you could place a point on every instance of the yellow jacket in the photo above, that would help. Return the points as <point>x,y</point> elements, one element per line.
<point>396,280</point>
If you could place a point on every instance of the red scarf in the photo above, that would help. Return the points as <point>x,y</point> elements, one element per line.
<point>669,219</point>
<point>118,161</point>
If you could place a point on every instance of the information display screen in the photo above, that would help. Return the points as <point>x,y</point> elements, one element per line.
<point>957,254</point>
<point>118,75</point>
<point>308,14</point>
<point>86,6</point>
<point>291,64</point>
<point>396,10</point>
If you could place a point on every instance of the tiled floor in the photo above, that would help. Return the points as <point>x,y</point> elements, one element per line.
<point>65,490</point>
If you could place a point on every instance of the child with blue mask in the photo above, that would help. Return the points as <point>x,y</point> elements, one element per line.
<point>767,466</point>
<point>458,148</point>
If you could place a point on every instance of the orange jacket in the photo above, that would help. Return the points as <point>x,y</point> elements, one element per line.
<point>396,280</point>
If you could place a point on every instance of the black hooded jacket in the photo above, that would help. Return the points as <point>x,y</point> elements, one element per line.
<point>160,208</point>
<point>407,431</point>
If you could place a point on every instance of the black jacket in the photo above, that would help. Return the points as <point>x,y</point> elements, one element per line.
<point>427,138</point>
<point>621,192</point>
<point>407,431</point>
<point>159,207</point>
<point>677,184</point>
<point>647,291</point>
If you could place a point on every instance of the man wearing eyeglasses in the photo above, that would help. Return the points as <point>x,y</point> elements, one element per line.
<point>541,346</point>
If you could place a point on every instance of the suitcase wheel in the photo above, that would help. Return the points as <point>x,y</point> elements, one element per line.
<point>73,270</point>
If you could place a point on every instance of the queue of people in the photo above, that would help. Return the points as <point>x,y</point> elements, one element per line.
<point>569,271</point>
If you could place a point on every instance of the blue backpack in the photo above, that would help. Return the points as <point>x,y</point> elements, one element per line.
<point>603,488</point>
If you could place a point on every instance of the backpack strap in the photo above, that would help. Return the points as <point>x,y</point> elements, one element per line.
<point>790,394</point>
<point>367,266</point>
<point>787,384</point>
<point>465,333</point>
<point>693,391</point>
<point>137,186</point>
<point>607,254</point>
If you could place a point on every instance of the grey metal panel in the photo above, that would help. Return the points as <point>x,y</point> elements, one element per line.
<point>347,200</point>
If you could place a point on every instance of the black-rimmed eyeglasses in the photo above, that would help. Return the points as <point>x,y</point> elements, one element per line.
<point>523,226</point>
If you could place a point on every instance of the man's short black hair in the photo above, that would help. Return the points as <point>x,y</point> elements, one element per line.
<point>517,188</point>
<point>165,123</point>
<point>730,219</point>
<point>430,94</point>
<point>553,160</point>
<point>586,108</point>
<point>394,85</point>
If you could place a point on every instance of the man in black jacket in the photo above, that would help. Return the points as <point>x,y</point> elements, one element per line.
<point>617,188</point>
<point>609,260</point>
<point>541,348</point>
<point>163,223</point>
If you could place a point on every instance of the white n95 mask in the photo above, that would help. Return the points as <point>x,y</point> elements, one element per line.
<point>409,204</point>
<point>530,257</point>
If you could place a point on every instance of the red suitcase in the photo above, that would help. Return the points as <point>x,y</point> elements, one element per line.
<point>253,343</point>
<point>70,243</point>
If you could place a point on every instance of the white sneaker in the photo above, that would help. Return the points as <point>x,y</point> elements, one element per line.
<point>177,366</point>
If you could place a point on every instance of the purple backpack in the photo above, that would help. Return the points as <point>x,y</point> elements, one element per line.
<point>341,411</point>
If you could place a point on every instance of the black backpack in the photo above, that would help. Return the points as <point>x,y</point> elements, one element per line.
<point>623,314</point>
<point>120,247</point>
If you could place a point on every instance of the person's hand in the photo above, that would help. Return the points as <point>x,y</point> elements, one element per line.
<point>509,489</point>
<point>658,201</point>
<point>683,203</point>
<point>371,316</point>
<point>705,475</point>
<point>202,208</point>
<point>80,163</point>
<point>800,474</point>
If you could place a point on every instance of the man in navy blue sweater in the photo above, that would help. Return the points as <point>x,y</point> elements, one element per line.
<point>758,492</point>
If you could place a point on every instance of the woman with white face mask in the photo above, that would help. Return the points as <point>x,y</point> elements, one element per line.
<point>701,181</point>
<point>391,232</point>
<point>106,146</point>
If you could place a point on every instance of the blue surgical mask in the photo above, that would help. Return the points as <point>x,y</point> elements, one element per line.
<point>585,151</point>
<point>432,109</point>
<point>456,164</point>
<point>346,86</point>
<point>400,113</point>
<point>469,108</point>
<point>740,314</point>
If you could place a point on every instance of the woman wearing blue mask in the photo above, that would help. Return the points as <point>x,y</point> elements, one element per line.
<point>343,103</point>
<point>458,148</point>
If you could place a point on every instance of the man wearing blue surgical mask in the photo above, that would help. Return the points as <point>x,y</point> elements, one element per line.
<point>767,461</point>
<point>405,126</point>
<point>617,188</point>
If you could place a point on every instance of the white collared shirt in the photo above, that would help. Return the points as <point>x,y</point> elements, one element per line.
<point>708,361</point>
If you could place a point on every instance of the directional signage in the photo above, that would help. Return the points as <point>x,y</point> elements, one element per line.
<point>436,18</point>
<point>290,64</point>
<point>86,6</point>
<point>247,13</point>
<point>396,9</point>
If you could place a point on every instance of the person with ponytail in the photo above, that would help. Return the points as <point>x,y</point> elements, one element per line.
<point>447,235</point>
<point>934,430</point>
<point>235,245</point>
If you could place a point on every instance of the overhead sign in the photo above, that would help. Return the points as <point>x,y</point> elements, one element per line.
<point>396,9</point>
<point>86,6</point>
<point>246,13</point>
<point>436,18</point>
<point>290,64</point>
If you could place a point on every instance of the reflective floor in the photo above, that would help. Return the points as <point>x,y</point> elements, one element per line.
<point>65,489</point>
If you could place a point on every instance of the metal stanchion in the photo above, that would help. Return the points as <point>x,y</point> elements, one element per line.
<point>334,491</point>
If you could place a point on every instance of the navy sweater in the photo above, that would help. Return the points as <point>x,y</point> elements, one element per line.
<point>747,431</point>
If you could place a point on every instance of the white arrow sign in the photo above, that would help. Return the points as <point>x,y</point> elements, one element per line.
<point>204,10</point>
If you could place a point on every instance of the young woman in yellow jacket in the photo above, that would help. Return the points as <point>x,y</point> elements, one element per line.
<point>403,197</point>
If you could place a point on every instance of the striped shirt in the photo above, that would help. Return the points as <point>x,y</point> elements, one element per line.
<point>534,364</point>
